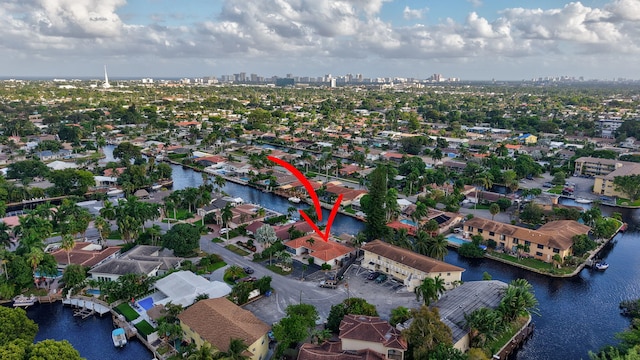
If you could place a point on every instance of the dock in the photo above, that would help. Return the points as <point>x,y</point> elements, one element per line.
<point>86,307</point>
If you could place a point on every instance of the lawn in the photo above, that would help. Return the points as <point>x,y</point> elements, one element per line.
<point>512,329</point>
<point>128,312</point>
<point>278,270</point>
<point>349,210</point>
<point>145,328</point>
<point>555,190</point>
<point>181,214</point>
<point>627,202</point>
<point>534,264</point>
<point>236,250</point>
<point>217,240</point>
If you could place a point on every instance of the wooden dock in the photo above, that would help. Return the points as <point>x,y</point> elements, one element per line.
<point>83,305</point>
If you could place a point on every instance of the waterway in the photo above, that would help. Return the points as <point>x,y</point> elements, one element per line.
<point>91,336</point>
<point>577,315</point>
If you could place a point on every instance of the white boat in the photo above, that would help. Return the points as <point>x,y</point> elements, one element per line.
<point>119,337</point>
<point>601,265</point>
<point>583,201</point>
<point>294,199</point>
<point>23,301</point>
<point>156,187</point>
<point>114,192</point>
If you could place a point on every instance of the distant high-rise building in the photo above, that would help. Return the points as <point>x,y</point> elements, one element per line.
<point>106,84</point>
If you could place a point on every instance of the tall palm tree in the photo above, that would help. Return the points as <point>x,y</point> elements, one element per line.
<point>103,227</point>
<point>430,289</point>
<point>203,353</point>
<point>437,246</point>
<point>226,216</point>
<point>67,244</point>
<point>5,237</point>
<point>421,244</point>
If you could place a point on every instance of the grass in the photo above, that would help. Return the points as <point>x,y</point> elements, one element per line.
<point>181,214</point>
<point>128,312</point>
<point>236,250</point>
<point>514,327</point>
<point>217,240</point>
<point>145,328</point>
<point>481,206</point>
<point>278,270</point>
<point>216,266</point>
<point>556,189</point>
<point>349,210</point>
<point>627,202</point>
<point>534,264</point>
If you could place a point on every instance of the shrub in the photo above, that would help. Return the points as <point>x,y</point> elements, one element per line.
<point>326,266</point>
<point>469,216</point>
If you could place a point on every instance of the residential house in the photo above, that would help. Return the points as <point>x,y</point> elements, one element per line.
<point>322,252</point>
<point>182,288</point>
<point>552,238</point>
<point>218,321</point>
<point>406,266</point>
<point>591,166</point>
<point>142,259</point>
<point>83,253</point>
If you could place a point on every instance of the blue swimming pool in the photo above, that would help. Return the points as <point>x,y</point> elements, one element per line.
<point>408,222</point>
<point>146,303</point>
<point>456,240</point>
<point>93,291</point>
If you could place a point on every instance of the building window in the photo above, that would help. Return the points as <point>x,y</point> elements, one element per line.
<point>502,237</point>
<point>394,354</point>
<point>528,243</point>
<point>515,240</point>
<point>378,257</point>
<point>470,228</point>
<point>540,246</point>
<point>556,251</point>
<point>479,231</point>
<point>491,233</point>
<point>538,253</point>
<point>448,274</point>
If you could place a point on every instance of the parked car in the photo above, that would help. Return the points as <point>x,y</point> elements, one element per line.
<point>373,275</point>
<point>248,270</point>
<point>547,185</point>
<point>247,279</point>
<point>224,231</point>
<point>332,284</point>
<point>382,278</point>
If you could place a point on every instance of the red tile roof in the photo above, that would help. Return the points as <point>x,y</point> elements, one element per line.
<point>333,351</point>
<point>80,256</point>
<point>409,258</point>
<point>318,248</point>
<point>371,329</point>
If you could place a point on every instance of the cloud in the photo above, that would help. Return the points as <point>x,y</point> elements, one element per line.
<point>412,14</point>
<point>314,31</point>
<point>475,3</point>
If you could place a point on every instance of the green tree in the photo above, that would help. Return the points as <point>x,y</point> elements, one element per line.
<point>126,151</point>
<point>518,300</point>
<point>351,306</point>
<point>226,216</point>
<point>183,239</point>
<point>70,181</point>
<point>426,332</point>
<point>430,289</point>
<point>437,247</point>
<point>494,209</point>
<point>74,275</point>
<point>484,325</point>
<point>53,350</point>
<point>399,315</point>
<point>266,236</point>
<point>374,205</point>
<point>67,245</point>
<point>14,324</point>
<point>235,351</point>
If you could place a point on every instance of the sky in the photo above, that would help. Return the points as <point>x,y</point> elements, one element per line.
<point>467,39</point>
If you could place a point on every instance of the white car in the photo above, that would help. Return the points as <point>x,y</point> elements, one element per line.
<point>224,231</point>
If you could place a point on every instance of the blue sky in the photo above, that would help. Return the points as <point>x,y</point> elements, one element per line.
<point>468,39</point>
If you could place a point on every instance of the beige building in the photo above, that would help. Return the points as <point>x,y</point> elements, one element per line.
<point>603,184</point>
<point>407,266</point>
<point>591,166</point>
<point>552,238</point>
<point>217,321</point>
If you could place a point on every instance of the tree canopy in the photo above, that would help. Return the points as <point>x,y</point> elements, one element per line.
<point>183,239</point>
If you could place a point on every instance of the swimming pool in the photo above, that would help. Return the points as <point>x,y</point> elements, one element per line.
<point>93,291</point>
<point>456,240</point>
<point>408,222</point>
<point>146,303</point>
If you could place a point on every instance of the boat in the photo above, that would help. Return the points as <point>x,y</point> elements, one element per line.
<point>624,227</point>
<point>294,199</point>
<point>119,337</point>
<point>156,187</point>
<point>23,301</point>
<point>583,201</point>
<point>114,192</point>
<point>601,265</point>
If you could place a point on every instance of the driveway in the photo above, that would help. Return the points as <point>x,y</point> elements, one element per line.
<point>289,290</point>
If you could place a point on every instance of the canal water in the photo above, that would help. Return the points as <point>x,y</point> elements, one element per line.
<point>576,315</point>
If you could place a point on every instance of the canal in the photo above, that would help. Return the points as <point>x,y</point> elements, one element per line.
<point>576,315</point>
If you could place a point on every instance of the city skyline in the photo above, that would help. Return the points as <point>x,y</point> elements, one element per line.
<point>467,39</point>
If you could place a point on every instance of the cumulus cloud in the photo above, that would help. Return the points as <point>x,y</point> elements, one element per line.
<point>411,14</point>
<point>312,29</point>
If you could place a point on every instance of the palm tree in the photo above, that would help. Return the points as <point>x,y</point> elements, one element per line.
<point>236,350</point>
<point>102,225</point>
<point>5,237</point>
<point>518,300</point>
<point>67,244</point>
<point>438,247</point>
<point>35,257</point>
<point>426,291</point>
<point>421,244</point>
<point>494,209</point>
<point>203,353</point>
<point>154,232</point>
<point>226,216</point>
<point>484,325</point>
<point>266,235</point>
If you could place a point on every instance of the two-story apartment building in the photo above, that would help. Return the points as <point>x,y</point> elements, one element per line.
<point>591,166</point>
<point>603,184</point>
<point>552,238</point>
<point>407,266</point>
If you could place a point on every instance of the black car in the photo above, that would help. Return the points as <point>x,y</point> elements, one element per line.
<point>248,270</point>
<point>373,275</point>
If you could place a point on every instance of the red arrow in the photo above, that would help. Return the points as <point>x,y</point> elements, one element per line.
<point>314,197</point>
<point>334,211</point>
<point>303,179</point>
